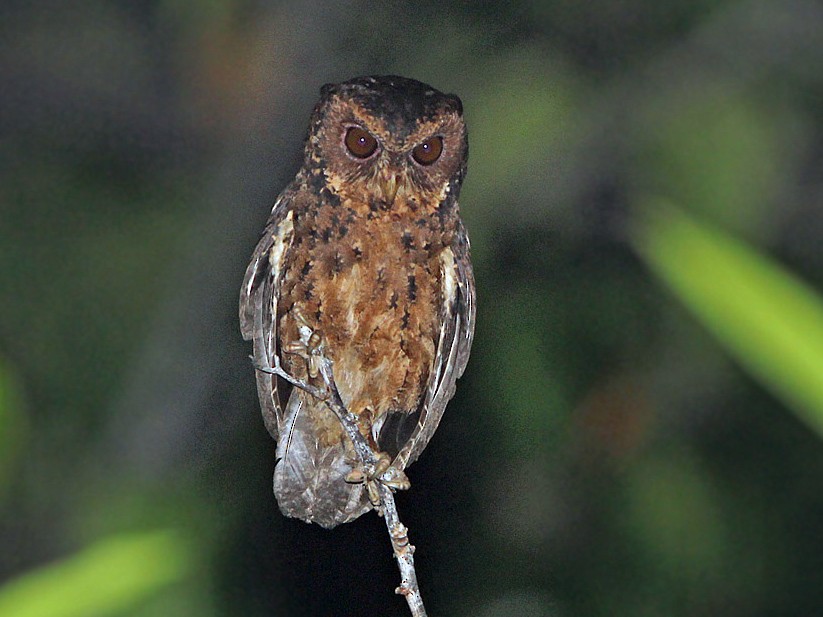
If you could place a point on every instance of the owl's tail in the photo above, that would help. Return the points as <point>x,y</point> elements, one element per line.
<point>309,479</point>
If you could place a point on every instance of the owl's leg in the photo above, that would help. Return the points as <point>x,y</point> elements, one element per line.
<point>391,477</point>
<point>309,348</point>
<point>383,472</point>
<point>373,465</point>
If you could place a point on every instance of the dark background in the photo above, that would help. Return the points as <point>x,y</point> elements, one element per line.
<point>603,455</point>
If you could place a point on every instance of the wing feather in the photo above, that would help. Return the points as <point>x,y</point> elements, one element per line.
<point>453,345</point>
<point>258,305</point>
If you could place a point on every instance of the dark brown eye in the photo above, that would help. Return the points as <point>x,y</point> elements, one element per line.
<point>360,143</point>
<point>429,151</point>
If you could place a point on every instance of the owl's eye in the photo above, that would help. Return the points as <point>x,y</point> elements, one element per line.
<point>360,142</point>
<point>429,151</point>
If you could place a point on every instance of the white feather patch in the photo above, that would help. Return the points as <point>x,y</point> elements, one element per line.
<point>449,280</point>
<point>282,240</point>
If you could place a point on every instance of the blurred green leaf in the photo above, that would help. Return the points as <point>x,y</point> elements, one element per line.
<point>700,148</point>
<point>770,321</point>
<point>109,576</point>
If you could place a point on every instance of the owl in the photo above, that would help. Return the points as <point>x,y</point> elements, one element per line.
<point>365,260</point>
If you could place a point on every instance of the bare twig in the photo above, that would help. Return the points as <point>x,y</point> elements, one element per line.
<point>398,532</point>
<point>403,552</point>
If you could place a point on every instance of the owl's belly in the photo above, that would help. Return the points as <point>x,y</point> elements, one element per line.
<point>374,298</point>
<point>383,347</point>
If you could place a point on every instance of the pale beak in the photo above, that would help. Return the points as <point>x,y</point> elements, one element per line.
<point>389,187</point>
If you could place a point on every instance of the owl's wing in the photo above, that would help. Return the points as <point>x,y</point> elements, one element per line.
<point>258,304</point>
<point>454,343</point>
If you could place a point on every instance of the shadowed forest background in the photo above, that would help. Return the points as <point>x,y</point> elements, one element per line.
<point>639,428</point>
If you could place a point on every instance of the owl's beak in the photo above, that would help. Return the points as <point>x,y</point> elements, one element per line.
<point>389,186</point>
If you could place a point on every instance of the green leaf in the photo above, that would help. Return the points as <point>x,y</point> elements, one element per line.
<point>700,148</point>
<point>110,576</point>
<point>766,318</point>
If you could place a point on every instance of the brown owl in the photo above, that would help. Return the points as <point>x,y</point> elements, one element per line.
<point>365,260</point>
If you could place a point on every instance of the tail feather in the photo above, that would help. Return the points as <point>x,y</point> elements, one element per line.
<point>309,479</point>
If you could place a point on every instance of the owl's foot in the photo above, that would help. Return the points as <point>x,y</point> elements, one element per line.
<point>310,349</point>
<point>310,345</point>
<point>373,466</point>
<point>395,479</point>
<point>383,472</point>
<point>392,477</point>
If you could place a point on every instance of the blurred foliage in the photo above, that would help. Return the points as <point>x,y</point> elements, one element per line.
<point>613,449</point>
<point>770,321</point>
<point>109,577</point>
<point>708,145</point>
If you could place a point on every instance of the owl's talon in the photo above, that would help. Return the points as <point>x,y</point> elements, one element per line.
<point>299,317</point>
<point>382,465</point>
<point>374,496</point>
<point>356,476</point>
<point>295,347</point>
<point>396,479</point>
<point>392,477</point>
<point>310,345</point>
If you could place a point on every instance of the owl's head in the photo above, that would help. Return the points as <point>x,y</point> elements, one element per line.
<point>389,142</point>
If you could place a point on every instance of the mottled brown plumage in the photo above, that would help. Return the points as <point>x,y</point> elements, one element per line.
<point>365,258</point>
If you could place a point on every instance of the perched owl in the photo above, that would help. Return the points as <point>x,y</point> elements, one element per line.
<point>365,258</point>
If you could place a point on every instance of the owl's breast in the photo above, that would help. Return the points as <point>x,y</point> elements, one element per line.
<point>372,290</point>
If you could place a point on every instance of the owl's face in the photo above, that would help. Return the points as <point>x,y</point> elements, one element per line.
<point>389,143</point>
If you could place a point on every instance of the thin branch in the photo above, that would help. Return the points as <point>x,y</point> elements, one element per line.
<point>398,532</point>
<point>403,552</point>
